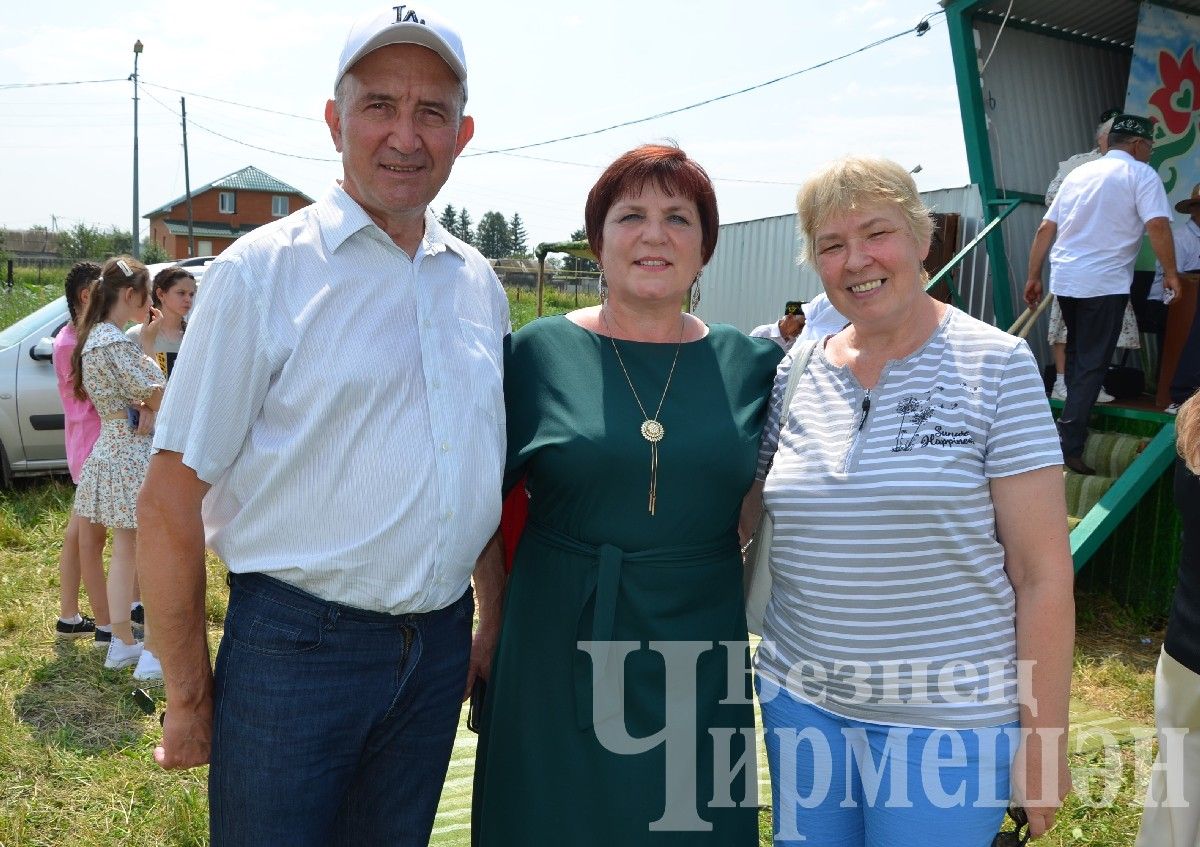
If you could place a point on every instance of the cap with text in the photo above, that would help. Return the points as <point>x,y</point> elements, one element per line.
<point>404,24</point>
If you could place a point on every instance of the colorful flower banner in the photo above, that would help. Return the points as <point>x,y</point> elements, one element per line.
<point>1164,84</point>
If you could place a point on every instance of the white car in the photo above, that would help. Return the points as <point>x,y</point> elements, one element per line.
<point>196,266</point>
<point>31,414</point>
<point>32,434</point>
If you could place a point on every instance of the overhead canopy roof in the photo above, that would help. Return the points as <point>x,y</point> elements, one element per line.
<point>1112,21</point>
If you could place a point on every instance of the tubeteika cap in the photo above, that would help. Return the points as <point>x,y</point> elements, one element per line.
<point>792,307</point>
<point>1134,125</point>
<point>403,24</point>
<point>1108,115</point>
<point>1186,206</point>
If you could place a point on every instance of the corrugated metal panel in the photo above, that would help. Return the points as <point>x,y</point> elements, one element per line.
<point>1110,20</point>
<point>1043,98</point>
<point>754,270</point>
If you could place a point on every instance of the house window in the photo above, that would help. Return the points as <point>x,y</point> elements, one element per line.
<point>279,205</point>
<point>204,248</point>
<point>227,203</point>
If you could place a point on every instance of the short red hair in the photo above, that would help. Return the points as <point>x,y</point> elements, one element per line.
<point>672,171</point>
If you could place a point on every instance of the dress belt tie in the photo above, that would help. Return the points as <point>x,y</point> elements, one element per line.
<point>603,583</point>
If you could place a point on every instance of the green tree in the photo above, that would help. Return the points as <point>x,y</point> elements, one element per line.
<point>516,236</point>
<point>449,219</point>
<point>153,252</point>
<point>120,242</point>
<point>82,242</point>
<point>492,236</point>
<point>465,231</point>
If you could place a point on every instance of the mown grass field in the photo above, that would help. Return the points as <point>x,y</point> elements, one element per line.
<point>75,749</point>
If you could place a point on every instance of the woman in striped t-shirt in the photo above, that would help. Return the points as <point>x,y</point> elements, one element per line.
<point>920,552</point>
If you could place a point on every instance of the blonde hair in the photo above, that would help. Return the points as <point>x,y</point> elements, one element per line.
<point>852,183</point>
<point>1187,433</point>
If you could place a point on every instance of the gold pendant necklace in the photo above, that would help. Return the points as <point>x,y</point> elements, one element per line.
<point>651,429</point>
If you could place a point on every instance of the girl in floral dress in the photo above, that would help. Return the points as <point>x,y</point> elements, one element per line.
<point>112,370</point>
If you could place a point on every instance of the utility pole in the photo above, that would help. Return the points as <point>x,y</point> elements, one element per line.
<point>136,229</point>
<point>187,179</point>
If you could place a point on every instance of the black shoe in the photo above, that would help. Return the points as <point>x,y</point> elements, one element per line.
<point>86,626</point>
<point>103,637</point>
<point>1076,463</point>
<point>138,614</point>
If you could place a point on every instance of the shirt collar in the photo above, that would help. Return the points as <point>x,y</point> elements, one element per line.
<point>1120,154</point>
<point>340,216</point>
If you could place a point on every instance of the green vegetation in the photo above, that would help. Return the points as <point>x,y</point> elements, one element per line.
<point>523,303</point>
<point>76,752</point>
<point>26,295</point>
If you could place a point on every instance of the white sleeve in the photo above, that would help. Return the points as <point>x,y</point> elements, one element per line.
<point>221,375</point>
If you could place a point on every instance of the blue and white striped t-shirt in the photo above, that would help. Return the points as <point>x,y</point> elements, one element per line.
<point>890,602</point>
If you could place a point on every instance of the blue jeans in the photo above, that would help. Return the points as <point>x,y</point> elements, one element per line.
<point>331,725</point>
<point>839,782</point>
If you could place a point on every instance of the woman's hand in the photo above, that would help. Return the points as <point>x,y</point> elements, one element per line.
<point>150,330</point>
<point>146,417</point>
<point>1040,793</point>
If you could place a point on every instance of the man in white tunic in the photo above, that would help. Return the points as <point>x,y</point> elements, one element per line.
<point>1095,225</point>
<point>335,433</point>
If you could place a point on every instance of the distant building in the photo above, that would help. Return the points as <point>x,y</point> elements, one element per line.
<point>223,211</point>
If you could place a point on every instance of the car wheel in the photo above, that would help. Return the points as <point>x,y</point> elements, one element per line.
<point>6,477</point>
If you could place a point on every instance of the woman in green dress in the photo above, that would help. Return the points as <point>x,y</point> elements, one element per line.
<point>618,710</point>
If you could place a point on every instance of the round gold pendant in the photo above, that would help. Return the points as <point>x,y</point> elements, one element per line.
<point>653,431</point>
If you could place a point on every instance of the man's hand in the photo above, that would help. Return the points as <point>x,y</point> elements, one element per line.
<point>483,649</point>
<point>1172,284</point>
<point>187,737</point>
<point>1033,292</point>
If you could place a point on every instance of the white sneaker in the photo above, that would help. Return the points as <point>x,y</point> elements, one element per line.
<point>1104,397</point>
<point>1059,392</point>
<point>148,667</point>
<point>1173,409</point>
<point>122,655</point>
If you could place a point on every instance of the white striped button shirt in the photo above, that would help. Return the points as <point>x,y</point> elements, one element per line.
<point>345,403</point>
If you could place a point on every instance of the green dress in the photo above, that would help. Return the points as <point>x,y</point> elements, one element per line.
<point>594,566</point>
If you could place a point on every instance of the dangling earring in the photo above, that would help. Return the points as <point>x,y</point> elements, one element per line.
<point>694,289</point>
<point>602,287</point>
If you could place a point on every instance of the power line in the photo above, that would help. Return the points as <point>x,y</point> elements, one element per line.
<point>11,85</point>
<point>920,29</point>
<point>193,123</point>
<point>235,103</point>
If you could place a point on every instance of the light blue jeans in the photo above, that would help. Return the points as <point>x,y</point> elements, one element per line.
<point>332,725</point>
<point>837,782</point>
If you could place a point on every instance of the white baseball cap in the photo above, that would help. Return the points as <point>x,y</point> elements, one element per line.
<point>403,24</point>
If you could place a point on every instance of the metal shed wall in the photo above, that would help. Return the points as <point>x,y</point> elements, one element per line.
<point>755,268</point>
<point>753,272</point>
<point>1042,96</point>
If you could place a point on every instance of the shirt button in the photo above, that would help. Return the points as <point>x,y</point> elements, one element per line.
<point>436,384</point>
<point>445,446</point>
<point>449,514</point>
<point>426,323</point>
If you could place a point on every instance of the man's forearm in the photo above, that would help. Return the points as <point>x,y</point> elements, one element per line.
<point>170,562</point>
<point>489,580</point>
<point>1040,248</point>
<point>1163,244</point>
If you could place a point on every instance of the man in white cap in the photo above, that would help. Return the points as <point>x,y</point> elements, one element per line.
<point>335,433</point>
<point>1187,256</point>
